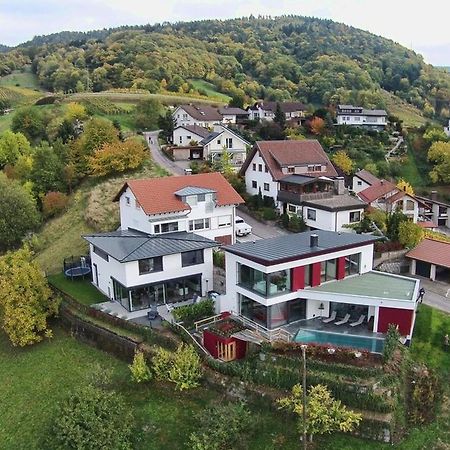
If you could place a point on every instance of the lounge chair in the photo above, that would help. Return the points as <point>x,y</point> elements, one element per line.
<point>331,318</point>
<point>344,320</point>
<point>359,321</point>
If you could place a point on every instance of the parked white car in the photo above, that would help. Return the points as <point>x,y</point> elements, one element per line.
<point>242,228</point>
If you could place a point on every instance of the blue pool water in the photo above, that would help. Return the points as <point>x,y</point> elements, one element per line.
<point>374,345</point>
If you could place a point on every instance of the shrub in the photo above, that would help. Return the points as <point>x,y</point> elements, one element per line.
<point>185,370</point>
<point>391,343</point>
<point>296,224</point>
<point>54,203</point>
<point>269,213</point>
<point>285,220</point>
<point>161,362</point>
<point>219,259</point>
<point>139,369</point>
<point>222,427</point>
<point>93,418</point>
<point>389,246</point>
<point>191,313</point>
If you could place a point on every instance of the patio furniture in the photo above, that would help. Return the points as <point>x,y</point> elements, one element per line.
<point>359,321</point>
<point>331,318</point>
<point>344,320</point>
<point>153,313</point>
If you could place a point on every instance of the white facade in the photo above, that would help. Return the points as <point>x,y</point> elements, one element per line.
<point>407,205</point>
<point>183,118</point>
<point>128,273</point>
<point>204,218</point>
<point>233,143</point>
<point>184,137</point>
<point>359,185</point>
<point>361,119</point>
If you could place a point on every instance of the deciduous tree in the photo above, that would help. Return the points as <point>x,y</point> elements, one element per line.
<point>409,234</point>
<point>317,125</point>
<point>343,161</point>
<point>12,146</point>
<point>147,114</point>
<point>405,186</point>
<point>439,154</point>
<point>26,301</point>
<point>31,122</point>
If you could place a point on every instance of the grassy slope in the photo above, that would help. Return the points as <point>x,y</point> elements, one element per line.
<point>35,379</point>
<point>210,89</point>
<point>22,79</point>
<point>411,116</point>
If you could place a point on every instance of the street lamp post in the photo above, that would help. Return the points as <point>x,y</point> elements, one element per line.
<point>304,347</point>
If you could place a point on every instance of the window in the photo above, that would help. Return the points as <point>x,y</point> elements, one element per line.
<point>167,227</point>
<point>359,183</point>
<point>254,185</point>
<point>311,214</point>
<point>218,141</point>
<point>355,216</point>
<point>101,253</point>
<point>201,197</point>
<point>188,138</point>
<point>292,208</point>
<point>181,139</point>
<point>150,265</point>
<point>291,170</point>
<point>229,142</point>
<point>262,283</point>
<point>266,186</point>
<point>310,169</point>
<point>328,270</point>
<point>254,167</point>
<point>127,201</point>
<point>409,205</point>
<point>357,119</point>
<point>266,169</point>
<point>318,168</point>
<point>260,167</point>
<point>224,221</point>
<point>192,258</point>
<point>352,263</point>
<point>199,224</point>
<point>308,273</point>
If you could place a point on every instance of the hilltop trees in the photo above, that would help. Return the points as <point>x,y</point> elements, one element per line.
<point>439,154</point>
<point>12,146</point>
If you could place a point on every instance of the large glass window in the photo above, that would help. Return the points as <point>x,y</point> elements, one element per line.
<point>308,275</point>
<point>199,224</point>
<point>167,227</point>
<point>328,270</point>
<point>192,258</point>
<point>265,284</point>
<point>297,309</point>
<point>253,310</point>
<point>279,282</point>
<point>150,265</point>
<point>352,264</point>
<point>278,315</point>
<point>101,253</point>
<point>121,294</point>
<point>311,214</point>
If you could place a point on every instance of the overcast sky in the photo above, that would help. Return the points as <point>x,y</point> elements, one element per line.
<point>420,25</point>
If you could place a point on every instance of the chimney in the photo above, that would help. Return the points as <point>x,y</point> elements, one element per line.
<point>314,240</point>
<point>339,185</point>
<point>433,195</point>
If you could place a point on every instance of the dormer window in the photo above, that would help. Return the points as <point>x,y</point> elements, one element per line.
<point>201,197</point>
<point>291,169</point>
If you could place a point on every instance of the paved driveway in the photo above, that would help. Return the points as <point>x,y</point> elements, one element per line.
<point>437,294</point>
<point>158,156</point>
<point>260,230</point>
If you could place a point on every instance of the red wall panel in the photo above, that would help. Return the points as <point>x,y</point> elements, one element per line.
<point>210,341</point>
<point>298,278</point>
<point>315,274</point>
<point>401,317</point>
<point>340,275</point>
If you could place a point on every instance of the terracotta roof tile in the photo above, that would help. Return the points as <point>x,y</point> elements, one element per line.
<point>157,195</point>
<point>431,251</point>
<point>377,190</point>
<point>278,154</point>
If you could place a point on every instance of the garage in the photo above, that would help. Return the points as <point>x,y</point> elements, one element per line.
<point>431,259</point>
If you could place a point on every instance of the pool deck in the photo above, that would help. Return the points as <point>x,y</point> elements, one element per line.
<point>317,325</point>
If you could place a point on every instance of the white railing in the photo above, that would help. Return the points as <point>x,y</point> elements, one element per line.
<point>207,321</point>
<point>200,346</point>
<point>270,335</point>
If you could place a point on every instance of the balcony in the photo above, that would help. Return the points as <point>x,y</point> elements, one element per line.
<point>293,197</point>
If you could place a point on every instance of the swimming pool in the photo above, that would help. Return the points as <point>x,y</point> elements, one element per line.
<point>374,345</point>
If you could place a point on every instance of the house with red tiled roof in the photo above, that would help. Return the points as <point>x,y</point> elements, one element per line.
<point>162,253</point>
<point>431,259</point>
<point>362,180</point>
<point>388,197</point>
<point>301,180</point>
<point>201,115</point>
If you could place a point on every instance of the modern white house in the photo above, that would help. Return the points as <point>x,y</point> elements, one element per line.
<point>296,282</point>
<point>301,179</point>
<point>204,204</point>
<point>358,116</point>
<point>388,197</point>
<point>265,110</point>
<point>185,135</point>
<point>139,270</point>
<point>201,115</point>
<point>232,115</point>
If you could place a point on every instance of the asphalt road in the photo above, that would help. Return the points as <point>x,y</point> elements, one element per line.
<point>158,156</point>
<point>259,230</point>
<point>437,294</point>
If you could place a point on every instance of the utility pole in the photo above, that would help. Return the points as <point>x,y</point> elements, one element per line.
<point>304,347</point>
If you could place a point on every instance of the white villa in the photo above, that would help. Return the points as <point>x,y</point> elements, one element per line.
<point>358,116</point>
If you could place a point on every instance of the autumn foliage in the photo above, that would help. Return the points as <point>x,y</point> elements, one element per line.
<point>117,157</point>
<point>53,203</point>
<point>343,161</point>
<point>317,125</point>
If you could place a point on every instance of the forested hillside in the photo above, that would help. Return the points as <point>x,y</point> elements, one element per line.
<point>316,61</point>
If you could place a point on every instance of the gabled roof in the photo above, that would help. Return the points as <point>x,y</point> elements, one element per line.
<point>202,112</point>
<point>377,190</point>
<point>367,177</point>
<point>286,107</point>
<point>157,195</point>
<point>126,246</point>
<point>216,134</point>
<point>297,246</point>
<point>434,252</point>
<point>430,200</point>
<point>232,111</point>
<point>278,154</point>
<point>195,129</point>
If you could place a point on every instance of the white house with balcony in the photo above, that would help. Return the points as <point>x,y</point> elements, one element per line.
<point>265,110</point>
<point>318,282</point>
<point>357,116</point>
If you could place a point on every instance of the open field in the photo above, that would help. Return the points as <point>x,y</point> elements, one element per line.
<point>210,89</point>
<point>20,79</point>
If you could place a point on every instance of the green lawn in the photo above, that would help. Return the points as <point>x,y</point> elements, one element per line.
<point>5,122</point>
<point>210,89</point>
<point>82,290</point>
<point>20,79</point>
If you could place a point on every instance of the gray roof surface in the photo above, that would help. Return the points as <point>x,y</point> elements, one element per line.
<point>296,246</point>
<point>193,190</point>
<point>196,129</point>
<point>231,110</point>
<point>126,246</point>
<point>299,179</point>
<point>210,137</point>
<point>337,202</point>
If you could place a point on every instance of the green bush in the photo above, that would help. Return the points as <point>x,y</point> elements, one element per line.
<point>92,418</point>
<point>161,362</point>
<point>269,213</point>
<point>222,427</point>
<point>391,343</point>
<point>191,313</point>
<point>219,259</point>
<point>139,369</point>
<point>185,370</point>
